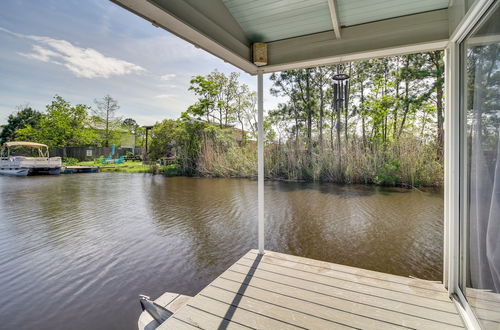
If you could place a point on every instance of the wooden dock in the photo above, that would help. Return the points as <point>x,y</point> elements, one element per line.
<point>79,169</point>
<point>280,291</point>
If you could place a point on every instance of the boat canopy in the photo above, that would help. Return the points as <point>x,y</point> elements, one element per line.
<point>25,144</point>
<point>43,149</point>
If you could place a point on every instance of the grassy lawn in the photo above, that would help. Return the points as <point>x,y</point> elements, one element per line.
<point>128,166</point>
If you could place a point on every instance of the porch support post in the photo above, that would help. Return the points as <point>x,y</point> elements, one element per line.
<point>260,166</point>
<point>451,169</point>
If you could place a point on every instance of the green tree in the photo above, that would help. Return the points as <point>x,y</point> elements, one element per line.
<point>392,101</point>
<point>436,73</point>
<point>25,116</point>
<point>207,90</point>
<point>163,136</point>
<point>244,109</point>
<point>219,97</point>
<point>62,125</point>
<point>185,136</point>
<point>105,119</point>
<point>297,87</point>
<point>130,124</point>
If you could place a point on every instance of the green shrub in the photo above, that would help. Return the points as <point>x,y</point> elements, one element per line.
<point>390,174</point>
<point>69,161</point>
<point>172,170</point>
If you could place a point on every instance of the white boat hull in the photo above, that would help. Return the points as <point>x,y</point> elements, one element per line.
<point>15,172</point>
<point>22,166</point>
<point>170,301</point>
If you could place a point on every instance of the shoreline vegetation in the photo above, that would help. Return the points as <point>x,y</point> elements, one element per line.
<point>390,132</point>
<point>384,126</point>
<point>137,167</point>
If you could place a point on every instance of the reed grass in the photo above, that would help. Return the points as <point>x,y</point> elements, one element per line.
<point>408,162</point>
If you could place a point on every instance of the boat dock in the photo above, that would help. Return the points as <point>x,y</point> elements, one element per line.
<point>79,169</point>
<point>280,291</point>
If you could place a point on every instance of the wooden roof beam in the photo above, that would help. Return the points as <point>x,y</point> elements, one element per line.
<point>400,35</point>
<point>335,17</point>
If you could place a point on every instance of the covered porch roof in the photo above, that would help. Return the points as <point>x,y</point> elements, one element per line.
<point>301,33</point>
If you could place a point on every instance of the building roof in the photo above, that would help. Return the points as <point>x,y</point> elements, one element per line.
<point>302,33</point>
<point>24,144</point>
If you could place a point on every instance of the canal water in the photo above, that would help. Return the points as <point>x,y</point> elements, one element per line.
<point>77,250</point>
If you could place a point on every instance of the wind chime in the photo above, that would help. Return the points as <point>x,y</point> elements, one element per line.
<point>340,86</point>
<point>340,92</point>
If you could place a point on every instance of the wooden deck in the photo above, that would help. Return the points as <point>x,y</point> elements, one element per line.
<point>486,306</point>
<point>280,291</point>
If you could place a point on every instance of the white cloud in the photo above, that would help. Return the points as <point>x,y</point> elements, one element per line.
<point>41,54</point>
<point>164,96</point>
<point>168,86</point>
<point>82,62</point>
<point>167,76</point>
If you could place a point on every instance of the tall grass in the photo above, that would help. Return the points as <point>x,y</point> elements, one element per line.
<point>406,162</point>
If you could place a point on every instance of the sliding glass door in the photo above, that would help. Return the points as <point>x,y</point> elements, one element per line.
<point>480,172</point>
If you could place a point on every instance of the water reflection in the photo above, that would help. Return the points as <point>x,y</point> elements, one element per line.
<point>77,250</point>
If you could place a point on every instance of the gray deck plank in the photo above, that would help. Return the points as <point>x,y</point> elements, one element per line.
<point>311,280</point>
<point>330,273</point>
<point>486,306</point>
<point>413,282</point>
<point>488,325</point>
<point>488,315</point>
<point>199,319</point>
<point>279,291</point>
<point>174,323</point>
<point>290,314</point>
<point>350,314</point>
<point>249,317</point>
<point>476,293</point>
<point>374,307</point>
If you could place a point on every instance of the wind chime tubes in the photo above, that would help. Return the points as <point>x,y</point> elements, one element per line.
<point>340,91</point>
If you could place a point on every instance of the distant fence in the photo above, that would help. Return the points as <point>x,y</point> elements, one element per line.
<point>91,153</point>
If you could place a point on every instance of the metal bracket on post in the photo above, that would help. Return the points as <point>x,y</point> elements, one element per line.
<point>260,156</point>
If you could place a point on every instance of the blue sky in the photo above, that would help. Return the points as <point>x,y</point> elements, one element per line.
<point>83,50</point>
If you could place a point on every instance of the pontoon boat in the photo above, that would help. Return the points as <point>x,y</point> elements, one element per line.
<point>37,161</point>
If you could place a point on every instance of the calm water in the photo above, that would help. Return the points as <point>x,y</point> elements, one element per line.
<point>76,250</point>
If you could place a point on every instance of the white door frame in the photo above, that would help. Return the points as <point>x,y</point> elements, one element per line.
<point>455,181</point>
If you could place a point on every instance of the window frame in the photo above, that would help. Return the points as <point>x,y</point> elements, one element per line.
<point>456,184</point>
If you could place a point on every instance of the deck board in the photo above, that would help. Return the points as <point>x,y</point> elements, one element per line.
<point>337,312</point>
<point>486,306</point>
<point>201,319</point>
<point>279,291</point>
<point>355,271</point>
<point>326,276</point>
<point>382,309</point>
<point>316,281</point>
<point>175,323</point>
